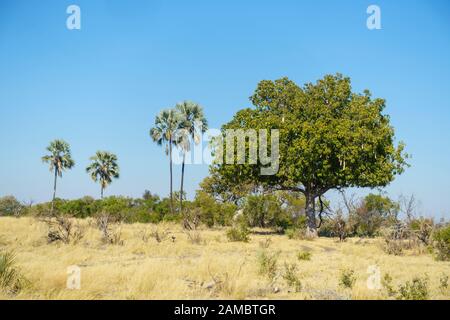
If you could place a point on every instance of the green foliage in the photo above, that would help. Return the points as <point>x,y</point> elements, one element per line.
<point>347,278</point>
<point>238,234</point>
<point>265,211</point>
<point>291,277</point>
<point>212,212</point>
<point>9,206</point>
<point>304,256</point>
<point>417,289</point>
<point>298,229</point>
<point>59,157</point>
<point>268,264</point>
<point>386,282</point>
<point>443,283</point>
<point>11,281</point>
<point>103,168</point>
<point>441,243</point>
<point>374,212</point>
<point>330,137</point>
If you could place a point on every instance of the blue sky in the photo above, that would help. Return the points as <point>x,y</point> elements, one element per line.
<point>100,87</point>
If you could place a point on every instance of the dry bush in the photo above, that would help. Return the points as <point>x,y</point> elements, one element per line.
<point>64,229</point>
<point>265,244</point>
<point>194,237</point>
<point>224,282</point>
<point>191,219</point>
<point>156,234</point>
<point>394,239</point>
<point>110,228</point>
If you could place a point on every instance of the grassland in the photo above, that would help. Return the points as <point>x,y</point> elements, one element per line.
<point>209,268</point>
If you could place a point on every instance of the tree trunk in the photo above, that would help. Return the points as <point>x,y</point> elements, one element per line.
<point>170,161</point>
<point>182,180</point>
<point>311,216</point>
<point>102,192</point>
<point>54,190</point>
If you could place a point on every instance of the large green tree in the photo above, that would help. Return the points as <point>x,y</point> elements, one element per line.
<point>103,168</point>
<point>164,133</point>
<point>192,124</point>
<point>59,159</point>
<point>329,138</point>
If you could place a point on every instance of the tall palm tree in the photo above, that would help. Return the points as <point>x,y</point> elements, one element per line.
<point>103,167</point>
<point>192,124</point>
<point>163,133</point>
<point>60,159</point>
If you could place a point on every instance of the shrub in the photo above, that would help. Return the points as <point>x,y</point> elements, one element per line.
<point>417,289</point>
<point>11,281</point>
<point>64,229</point>
<point>441,243</point>
<point>299,229</point>
<point>9,206</point>
<point>194,236</point>
<point>265,211</point>
<point>268,264</point>
<point>110,228</point>
<point>347,278</point>
<point>372,213</point>
<point>339,226</point>
<point>443,283</point>
<point>422,229</point>
<point>394,239</point>
<point>305,256</point>
<point>386,282</point>
<point>291,278</point>
<point>238,234</point>
<point>212,212</point>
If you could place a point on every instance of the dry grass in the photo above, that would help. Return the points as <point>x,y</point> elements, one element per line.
<point>213,268</point>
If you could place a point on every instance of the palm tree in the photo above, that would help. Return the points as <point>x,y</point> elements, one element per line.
<point>59,159</point>
<point>164,131</point>
<point>193,123</point>
<point>104,167</point>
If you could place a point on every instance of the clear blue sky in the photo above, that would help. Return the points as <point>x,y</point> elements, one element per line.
<point>100,87</point>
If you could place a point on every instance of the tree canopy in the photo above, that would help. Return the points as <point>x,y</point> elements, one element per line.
<point>329,138</point>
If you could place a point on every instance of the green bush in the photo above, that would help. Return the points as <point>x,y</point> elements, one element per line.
<point>347,278</point>
<point>417,289</point>
<point>305,256</point>
<point>9,206</point>
<point>268,264</point>
<point>441,243</point>
<point>11,281</point>
<point>265,211</point>
<point>298,229</point>
<point>291,277</point>
<point>212,212</point>
<point>238,234</point>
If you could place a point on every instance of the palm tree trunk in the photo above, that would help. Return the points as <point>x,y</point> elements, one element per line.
<point>54,190</point>
<point>102,193</point>
<point>171,187</point>
<point>182,180</point>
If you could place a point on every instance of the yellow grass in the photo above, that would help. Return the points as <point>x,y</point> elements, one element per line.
<point>213,269</point>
